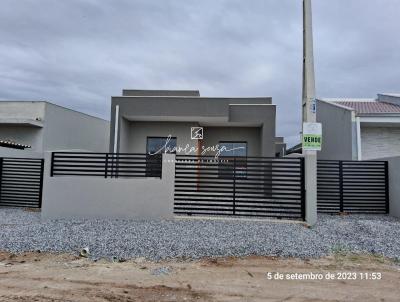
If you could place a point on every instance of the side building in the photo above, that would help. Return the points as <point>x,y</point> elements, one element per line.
<point>360,129</point>
<point>41,126</point>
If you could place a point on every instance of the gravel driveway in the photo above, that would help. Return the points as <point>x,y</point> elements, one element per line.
<point>21,230</point>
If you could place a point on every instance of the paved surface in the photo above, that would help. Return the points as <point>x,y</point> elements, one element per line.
<point>21,230</point>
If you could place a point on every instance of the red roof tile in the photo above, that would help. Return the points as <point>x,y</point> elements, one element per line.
<point>371,107</point>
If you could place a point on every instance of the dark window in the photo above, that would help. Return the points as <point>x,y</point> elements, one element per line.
<point>233,159</point>
<point>159,145</point>
<point>155,147</point>
<point>232,149</point>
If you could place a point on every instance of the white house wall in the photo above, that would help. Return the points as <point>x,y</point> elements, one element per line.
<point>139,131</point>
<point>378,142</point>
<point>394,188</point>
<point>22,110</point>
<point>12,114</point>
<point>338,132</point>
<point>67,129</point>
<point>26,135</point>
<point>98,197</point>
<point>251,135</point>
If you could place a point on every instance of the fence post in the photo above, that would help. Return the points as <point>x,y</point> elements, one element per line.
<point>106,166</point>
<point>1,174</point>
<point>52,164</point>
<point>116,165</point>
<point>341,186</point>
<point>303,189</point>
<point>387,186</point>
<point>234,186</point>
<point>41,182</point>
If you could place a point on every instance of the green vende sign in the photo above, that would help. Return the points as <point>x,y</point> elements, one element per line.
<point>312,141</point>
<point>312,136</point>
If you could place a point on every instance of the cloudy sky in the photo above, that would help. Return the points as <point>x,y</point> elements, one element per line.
<point>77,53</point>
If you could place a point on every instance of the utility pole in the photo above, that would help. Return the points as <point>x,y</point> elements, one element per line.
<point>309,113</point>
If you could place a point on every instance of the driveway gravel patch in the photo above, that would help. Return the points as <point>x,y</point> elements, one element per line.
<point>22,230</point>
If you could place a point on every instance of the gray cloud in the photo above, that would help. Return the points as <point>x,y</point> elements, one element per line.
<point>79,53</point>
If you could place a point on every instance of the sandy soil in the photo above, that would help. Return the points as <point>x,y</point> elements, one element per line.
<point>61,277</point>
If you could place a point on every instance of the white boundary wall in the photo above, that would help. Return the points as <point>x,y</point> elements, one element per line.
<point>9,152</point>
<point>394,187</point>
<point>97,197</point>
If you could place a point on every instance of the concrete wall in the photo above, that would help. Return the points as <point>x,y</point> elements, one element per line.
<point>136,139</point>
<point>138,92</point>
<point>394,188</point>
<point>378,142</point>
<point>9,152</point>
<point>48,127</point>
<point>67,129</point>
<point>22,110</point>
<point>337,132</point>
<point>139,131</point>
<point>96,197</point>
<point>213,135</point>
<point>26,135</point>
<point>263,115</point>
<point>254,112</point>
<point>22,122</point>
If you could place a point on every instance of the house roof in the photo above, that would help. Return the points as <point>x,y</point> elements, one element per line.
<point>396,95</point>
<point>11,144</point>
<point>370,107</point>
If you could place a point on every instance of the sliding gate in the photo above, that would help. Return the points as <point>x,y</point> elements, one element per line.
<point>360,187</point>
<point>240,186</point>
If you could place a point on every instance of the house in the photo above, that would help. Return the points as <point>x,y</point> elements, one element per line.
<point>43,126</point>
<point>360,129</point>
<point>183,122</point>
<point>246,181</point>
<point>280,147</point>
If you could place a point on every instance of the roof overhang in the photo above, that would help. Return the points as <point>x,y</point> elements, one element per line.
<point>380,120</point>
<point>21,122</point>
<point>170,118</point>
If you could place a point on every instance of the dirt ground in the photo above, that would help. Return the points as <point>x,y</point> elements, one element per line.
<point>62,277</point>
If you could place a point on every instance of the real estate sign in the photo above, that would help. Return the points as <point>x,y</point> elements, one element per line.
<point>312,136</point>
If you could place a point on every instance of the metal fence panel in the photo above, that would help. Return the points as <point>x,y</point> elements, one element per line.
<point>21,182</point>
<point>251,186</point>
<point>353,187</point>
<point>107,165</point>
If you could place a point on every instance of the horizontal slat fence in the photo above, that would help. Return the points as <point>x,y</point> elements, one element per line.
<point>251,186</point>
<point>21,182</point>
<point>360,187</point>
<point>113,165</point>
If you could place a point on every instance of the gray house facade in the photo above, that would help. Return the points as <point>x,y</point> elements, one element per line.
<point>143,121</point>
<point>43,126</point>
<point>360,129</point>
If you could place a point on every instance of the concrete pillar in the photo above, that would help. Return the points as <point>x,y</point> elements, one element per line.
<point>309,115</point>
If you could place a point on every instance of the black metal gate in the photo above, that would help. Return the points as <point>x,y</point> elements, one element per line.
<point>353,187</point>
<point>21,182</point>
<point>240,186</point>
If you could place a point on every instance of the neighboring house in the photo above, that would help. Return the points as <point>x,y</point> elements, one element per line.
<point>142,121</point>
<point>44,126</point>
<point>280,147</point>
<point>360,129</point>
